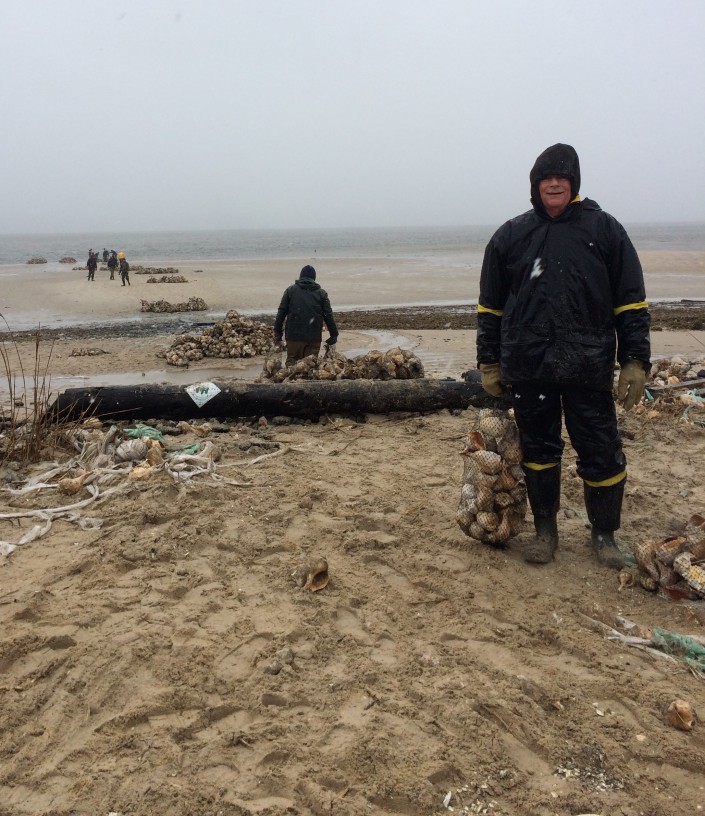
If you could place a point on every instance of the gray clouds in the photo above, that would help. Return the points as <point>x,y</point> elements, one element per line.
<point>126,115</point>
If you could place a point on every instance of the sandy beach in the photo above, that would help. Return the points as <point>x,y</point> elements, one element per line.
<point>159,658</point>
<point>57,297</point>
<point>62,296</point>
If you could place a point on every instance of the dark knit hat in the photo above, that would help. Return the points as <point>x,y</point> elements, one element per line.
<point>308,272</point>
<point>557,160</point>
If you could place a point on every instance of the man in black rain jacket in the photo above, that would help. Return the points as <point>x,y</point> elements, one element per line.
<point>112,264</point>
<point>562,295</point>
<point>305,307</point>
<point>92,264</point>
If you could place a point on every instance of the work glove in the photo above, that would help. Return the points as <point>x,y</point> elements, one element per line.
<point>277,340</point>
<point>630,386</point>
<point>492,381</point>
<point>331,341</point>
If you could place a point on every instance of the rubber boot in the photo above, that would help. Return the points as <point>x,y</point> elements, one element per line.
<point>604,508</point>
<point>543,488</point>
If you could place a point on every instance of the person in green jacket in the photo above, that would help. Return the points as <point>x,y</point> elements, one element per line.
<point>303,310</point>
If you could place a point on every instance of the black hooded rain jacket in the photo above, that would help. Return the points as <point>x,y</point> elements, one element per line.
<point>561,297</point>
<point>305,307</point>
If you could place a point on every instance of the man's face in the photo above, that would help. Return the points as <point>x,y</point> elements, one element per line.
<point>555,194</point>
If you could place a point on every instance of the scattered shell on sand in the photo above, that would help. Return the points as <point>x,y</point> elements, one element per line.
<point>196,430</point>
<point>70,486</point>
<point>672,565</point>
<point>625,579</point>
<point>313,576</point>
<point>141,473</point>
<point>681,715</point>
<point>675,371</point>
<point>155,457</point>
<point>671,370</point>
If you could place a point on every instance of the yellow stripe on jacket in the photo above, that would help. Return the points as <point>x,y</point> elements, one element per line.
<point>631,306</point>
<point>485,310</point>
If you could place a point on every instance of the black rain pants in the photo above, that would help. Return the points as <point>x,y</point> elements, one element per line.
<point>591,422</point>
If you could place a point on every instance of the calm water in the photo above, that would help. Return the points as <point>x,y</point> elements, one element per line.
<point>165,247</point>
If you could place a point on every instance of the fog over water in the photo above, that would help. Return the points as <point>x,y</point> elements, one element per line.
<point>121,116</point>
<point>467,243</point>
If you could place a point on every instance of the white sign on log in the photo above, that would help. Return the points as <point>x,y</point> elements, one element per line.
<point>201,393</point>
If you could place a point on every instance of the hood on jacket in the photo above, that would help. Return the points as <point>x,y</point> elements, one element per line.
<point>557,160</point>
<point>307,283</point>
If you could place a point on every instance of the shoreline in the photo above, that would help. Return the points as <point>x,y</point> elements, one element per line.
<point>64,299</point>
<point>126,352</point>
<point>683,315</point>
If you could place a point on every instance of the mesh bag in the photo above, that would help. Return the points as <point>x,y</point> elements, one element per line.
<point>493,496</point>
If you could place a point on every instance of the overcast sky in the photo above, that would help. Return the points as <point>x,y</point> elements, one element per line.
<point>218,114</point>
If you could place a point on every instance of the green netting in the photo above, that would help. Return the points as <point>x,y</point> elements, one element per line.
<point>680,646</point>
<point>191,450</point>
<point>140,431</point>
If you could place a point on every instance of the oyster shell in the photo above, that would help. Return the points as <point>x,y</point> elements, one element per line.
<point>681,715</point>
<point>313,576</point>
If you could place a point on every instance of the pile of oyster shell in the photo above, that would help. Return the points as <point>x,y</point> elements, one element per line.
<point>395,364</point>
<point>194,304</point>
<point>168,279</point>
<point>674,566</point>
<point>87,352</point>
<point>235,336</point>
<point>154,270</point>
<point>673,370</point>
<point>493,496</point>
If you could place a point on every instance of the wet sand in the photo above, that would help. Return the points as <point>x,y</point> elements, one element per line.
<point>55,295</point>
<point>75,313</point>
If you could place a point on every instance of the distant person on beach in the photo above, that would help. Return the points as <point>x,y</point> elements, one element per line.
<point>124,268</point>
<point>112,264</point>
<point>105,255</point>
<point>92,264</point>
<point>562,295</point>
<point>303,310</point>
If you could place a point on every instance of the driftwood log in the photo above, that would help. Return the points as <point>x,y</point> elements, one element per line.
<point>304,399</point>
<point>663,390</point>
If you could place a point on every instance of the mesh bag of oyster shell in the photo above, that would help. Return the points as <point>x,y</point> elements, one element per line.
<point>193,304</point>
<point>168,279</point>
<point>272,364</point>
<point>493,495</point>
<point>87,352</point>
<point>395,364</point>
